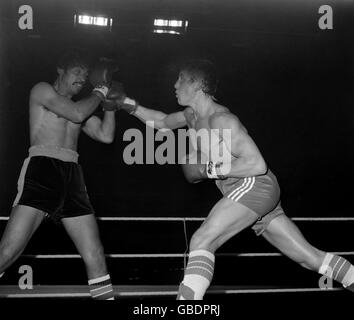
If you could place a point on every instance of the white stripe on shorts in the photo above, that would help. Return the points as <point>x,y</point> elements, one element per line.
<point>21,181</point>
<point>246,186</point>
<point>237,189</point>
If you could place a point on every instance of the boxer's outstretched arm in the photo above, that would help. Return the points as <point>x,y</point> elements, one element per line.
<point>101,130</point>
<point>44,94</point>
<point>247,160</point>
<point>160,120</point>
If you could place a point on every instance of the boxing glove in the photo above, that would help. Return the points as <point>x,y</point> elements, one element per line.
<point>109,105</point>
<point>101,76</point>
<point>194,167</point>
<point>198,168</point>
<point>123,102</point>
<point>102,72</point>
<point>115,94</point>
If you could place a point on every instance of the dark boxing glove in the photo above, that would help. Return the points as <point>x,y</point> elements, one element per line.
<point>123,102</point>
<point>101,76</point>
<point>115,93</point>
<point>195,167</point>
<point>198,168</point>
<point>128,105</point>
<point>109,105</point>
<point>117,99</point>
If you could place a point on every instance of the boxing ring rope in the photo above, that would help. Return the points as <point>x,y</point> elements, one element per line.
<point>124,291</point>
<point>182,255</point>
<point>128,291</point>
<point>55,291</point>
<point>166,255</point>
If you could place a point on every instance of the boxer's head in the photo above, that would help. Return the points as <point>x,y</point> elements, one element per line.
<point>73,68</point>
<point>196,75</point>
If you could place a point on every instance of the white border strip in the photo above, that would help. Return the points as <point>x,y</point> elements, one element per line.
<point>2,218</point>
<point>165,293</point>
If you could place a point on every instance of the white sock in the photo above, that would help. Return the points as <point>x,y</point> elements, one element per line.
<point>338,268</point>
<point>197,276</point>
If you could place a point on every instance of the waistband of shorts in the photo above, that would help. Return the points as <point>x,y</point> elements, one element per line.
<point>59,153</point>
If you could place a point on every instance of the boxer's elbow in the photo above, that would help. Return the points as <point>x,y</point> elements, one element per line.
<point>78,117</point>
<point>106,138</point>
<point>259,167</point>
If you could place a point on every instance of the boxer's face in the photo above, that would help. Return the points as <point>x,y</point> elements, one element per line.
<point>73,79</point>
<point>186,88</point>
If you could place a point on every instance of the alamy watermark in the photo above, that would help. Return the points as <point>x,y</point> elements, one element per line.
<point>25,281</point>
<point>214,144</point>
<point>326,281</point>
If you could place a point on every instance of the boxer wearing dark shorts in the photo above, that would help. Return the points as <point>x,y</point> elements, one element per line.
<point>52,181</point>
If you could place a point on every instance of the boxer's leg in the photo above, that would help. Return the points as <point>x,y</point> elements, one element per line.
<point>226,219</point>
<point>84,232</point>
<point>285,236</point>
<point>23,222</point>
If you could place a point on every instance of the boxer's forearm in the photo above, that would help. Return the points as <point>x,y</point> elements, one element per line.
<point>148,115</point>
<point>160,120</point>
<point>108,125</point>
<point>85,107</point>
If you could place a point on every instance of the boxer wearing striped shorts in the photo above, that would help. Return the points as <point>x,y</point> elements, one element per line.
<point>251,192</point>
<point>261,194</point>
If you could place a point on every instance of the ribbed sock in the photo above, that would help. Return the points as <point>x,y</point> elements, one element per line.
<point>101,288</point>
<point>339,269</point>
<point>197,276</point>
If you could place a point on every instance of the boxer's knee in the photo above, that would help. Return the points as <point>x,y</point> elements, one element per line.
<point>205,238</point>
<point>8,253</point>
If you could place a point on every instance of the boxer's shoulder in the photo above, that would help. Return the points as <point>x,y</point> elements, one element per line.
<point>40,89</point>
<point>188,111</point>
<point>223,118</point>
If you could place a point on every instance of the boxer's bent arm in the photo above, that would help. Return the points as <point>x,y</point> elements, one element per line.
<point>161,120</point>
<point>44,94</point>
<point>247,160</point>
<point>247,166</point>
<point>101,130</point>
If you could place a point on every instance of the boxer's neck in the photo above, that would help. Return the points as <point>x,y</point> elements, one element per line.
<point>59,87</point>
<point>203,106</point>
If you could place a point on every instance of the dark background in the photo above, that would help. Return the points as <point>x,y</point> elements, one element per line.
<point>288,81</point>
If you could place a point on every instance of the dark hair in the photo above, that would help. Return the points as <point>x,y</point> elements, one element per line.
<point>204,71</point>
<point>73,58</point>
